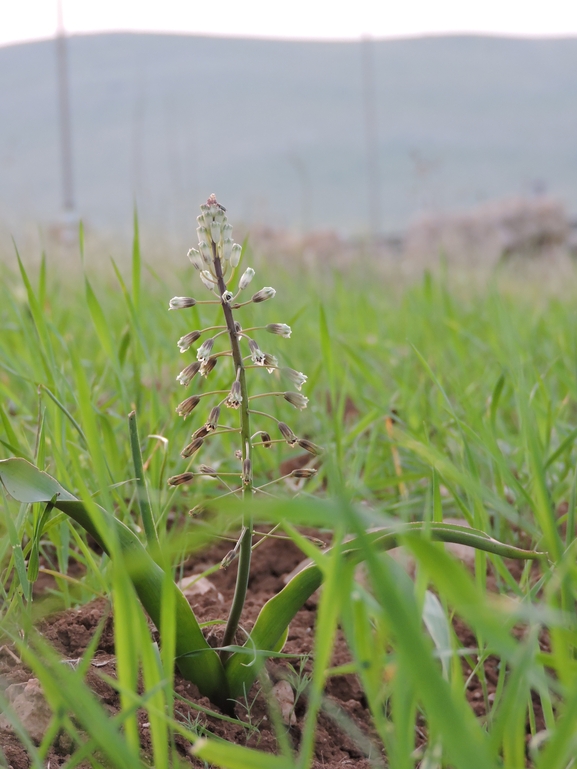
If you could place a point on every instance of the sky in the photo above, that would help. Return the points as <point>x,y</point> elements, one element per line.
<point>24,20</point>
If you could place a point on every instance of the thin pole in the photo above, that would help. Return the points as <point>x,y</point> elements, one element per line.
<point>304,193</point>
<point>64,114</point>
<point>371,141</point>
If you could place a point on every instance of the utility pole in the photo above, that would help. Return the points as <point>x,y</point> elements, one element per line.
<point>371,142</point>
<point>69,216</point>
<point>304,193</point>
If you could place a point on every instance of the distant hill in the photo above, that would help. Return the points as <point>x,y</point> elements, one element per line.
<point>277,129</point>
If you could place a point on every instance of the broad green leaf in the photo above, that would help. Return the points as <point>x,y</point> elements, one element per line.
<point>27,484</point>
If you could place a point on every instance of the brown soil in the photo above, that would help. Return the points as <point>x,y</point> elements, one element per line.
<point>70,633</point>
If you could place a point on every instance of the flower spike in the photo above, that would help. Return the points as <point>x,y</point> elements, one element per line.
<point>215,259</point>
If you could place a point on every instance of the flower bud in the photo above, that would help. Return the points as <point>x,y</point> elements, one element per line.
<point>246,278</point>
<point>213,418</point>
<point>206,252</point>
<point>304,472</point>
<point>266,440</point>
<point>196,258</point>
<point>227,245</point>
<point>181,302</point>
<point>207,279</point>
<point>228,559</point>
<point>202,233</point>
<point>246,472</point>
<point>203,352</point>
<point>234,398</point>
<point>185,341</point>
<point>207,470</point>
<point>178,480</point>
<point>265,293</point>
<point>207,366</point>
<point>296,399</point>
<point>309,446</point>
<point>296,377</point>
<point>184,409</point>
<point>202,432</point>
<point>235,253</point>
<point>192,448</point>
<point>187,374</point>
<point>287,433</point>
<point>279,328</point>
<point>215,232</point>
<point>226,231</point>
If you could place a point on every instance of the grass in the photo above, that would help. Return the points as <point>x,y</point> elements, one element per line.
<point>432,402</point>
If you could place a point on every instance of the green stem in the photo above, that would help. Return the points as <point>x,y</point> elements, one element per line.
<point>143,498</point>
<point>245,550</point>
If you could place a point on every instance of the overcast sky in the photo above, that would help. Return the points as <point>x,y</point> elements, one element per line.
<point>22,20</point>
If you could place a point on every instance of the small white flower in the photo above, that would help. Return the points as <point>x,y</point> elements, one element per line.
<point>203,352</point>
<point>279,328</point>
<point>181,302</point>
<point>184,409</point>
<point>215,232</point>
<point>234,398</point>
<point>196,258</point>
<point>227,245</point>
<point>192,448</point>
<point>256,354</point>
<point>270,362</point>
<point>265,293</point>
<point>246,278</point>
<point>207,279</point>
<point>296,399</point>
<point>235,255</point>
<point>296,377</point>
<point>213,417</point>
<point>185,341</point>
<point>207,366</point>
<point>186,375</point>
<point>206,252</point>
<point>287,434</point>
<point>227,297</point>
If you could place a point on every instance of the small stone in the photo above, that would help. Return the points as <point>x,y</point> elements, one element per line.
<point>31,709</point>
<point>285,697</point>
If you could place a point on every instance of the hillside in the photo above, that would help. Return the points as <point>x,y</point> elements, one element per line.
<point>277,128</point>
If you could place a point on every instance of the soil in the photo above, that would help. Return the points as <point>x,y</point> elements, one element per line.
<point>70,632</point>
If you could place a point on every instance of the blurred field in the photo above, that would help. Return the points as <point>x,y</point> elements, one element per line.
<point>277,129</point>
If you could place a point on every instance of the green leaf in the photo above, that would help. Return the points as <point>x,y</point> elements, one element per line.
<point>279,611</point>
<point>495,398</point>
<point>229,756</point>
<point>438,626</point>
<point>27,484</point>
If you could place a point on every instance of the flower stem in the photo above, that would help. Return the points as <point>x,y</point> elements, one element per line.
<point>245,543</point>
